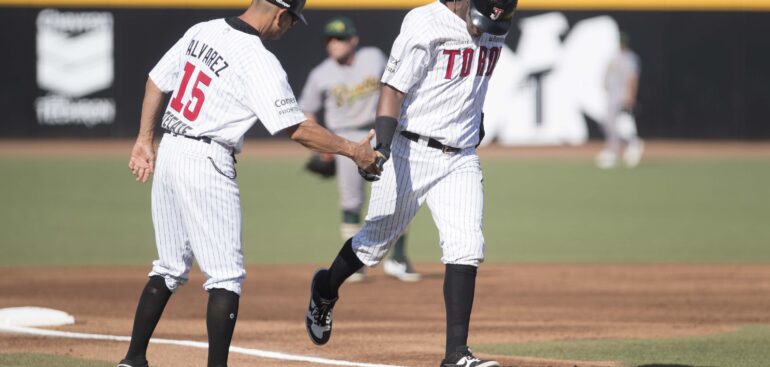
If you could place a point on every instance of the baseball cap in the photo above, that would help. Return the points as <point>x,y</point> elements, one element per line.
<point>341,27</point>
<point>293,6</point>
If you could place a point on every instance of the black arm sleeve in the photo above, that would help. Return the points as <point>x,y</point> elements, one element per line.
<point>384,127</point>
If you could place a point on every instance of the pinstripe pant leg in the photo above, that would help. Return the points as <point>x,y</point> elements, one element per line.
<point>174,253</point>
<point>456,203</point>
<point>213,217</point>
<point>394,201</point>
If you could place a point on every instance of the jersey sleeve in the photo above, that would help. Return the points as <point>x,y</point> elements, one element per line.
<point>311,99</point>
<point>166,71</point>
<point>269,95</point>
<point>408,59</point>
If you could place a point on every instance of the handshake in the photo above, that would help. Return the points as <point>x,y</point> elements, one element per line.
<point>373,174</point>
<point>370,166</point>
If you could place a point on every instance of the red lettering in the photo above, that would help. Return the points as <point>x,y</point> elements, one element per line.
<point>483,51</point>
<point>198,96</point>
<point>467,62</point>
<point>451,62</point>
<point>191,111</point>
<point>494,55</point>
<point>176,102</point>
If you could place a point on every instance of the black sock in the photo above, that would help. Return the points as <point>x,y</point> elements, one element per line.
<point>151,304</point>
<point>350,217</point>
<point>220,322</point>
<point>459,287</point>
<point>345,264</point>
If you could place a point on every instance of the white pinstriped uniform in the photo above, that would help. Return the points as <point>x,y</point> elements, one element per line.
<point>444,73</point>
<point>223,80</point>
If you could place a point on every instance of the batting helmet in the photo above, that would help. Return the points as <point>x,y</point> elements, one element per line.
<point>492,16</point>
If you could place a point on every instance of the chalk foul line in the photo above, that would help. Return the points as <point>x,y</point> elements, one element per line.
<point>189,344</point>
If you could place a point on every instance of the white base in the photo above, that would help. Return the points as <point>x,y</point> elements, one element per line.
<point>34,316</point>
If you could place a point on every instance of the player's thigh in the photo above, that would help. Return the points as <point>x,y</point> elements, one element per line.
<point>456,203</point>
<point>213,219</point>
<point>393,202</point>
<point>171,237</point>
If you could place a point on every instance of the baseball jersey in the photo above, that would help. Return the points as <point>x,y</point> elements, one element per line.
<point>348,93</point>
<point>444,73</point>
<point>623,66</point>
<point>223,80</point>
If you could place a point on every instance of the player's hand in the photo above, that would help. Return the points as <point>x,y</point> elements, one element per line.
<point>378,163</point>
<point>365,156</point>
<point>142,162</point>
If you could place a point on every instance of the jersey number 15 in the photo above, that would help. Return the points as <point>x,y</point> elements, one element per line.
<point>193,106</point>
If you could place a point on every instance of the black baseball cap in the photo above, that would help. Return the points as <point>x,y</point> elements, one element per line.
<point>293,6</point>
<point>341,27</point>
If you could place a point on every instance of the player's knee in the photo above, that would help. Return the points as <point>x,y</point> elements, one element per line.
<point>233,284</point>
<point>170,282</point>
<point>369,252</point>
<point>464,254</point>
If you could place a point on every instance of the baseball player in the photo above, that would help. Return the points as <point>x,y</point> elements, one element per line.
<point>621,83</point>
<point>347,86</point>
<point>428,125</point>
<point>221,80</point>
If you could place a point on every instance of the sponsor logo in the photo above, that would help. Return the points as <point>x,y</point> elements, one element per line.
<point>289,110</point>
<point>74,60</point>
<point>172,123</point>
<point>496,12</point>
<point>285,102</point>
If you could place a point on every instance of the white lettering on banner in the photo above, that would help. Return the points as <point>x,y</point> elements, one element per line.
<point>58,110</point>
<point>74,59</point>
<point>540,94</point>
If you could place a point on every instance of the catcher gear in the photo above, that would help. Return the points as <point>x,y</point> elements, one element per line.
<point>321,165</point>
<point>492,16</point>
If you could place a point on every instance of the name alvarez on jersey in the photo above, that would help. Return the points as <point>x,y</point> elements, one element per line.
<point>212,58</point>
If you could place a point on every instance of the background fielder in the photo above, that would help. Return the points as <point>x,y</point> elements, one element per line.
<point>621,82</point>
<point>429,114</point>
<point>223,80</point>
<point>346,85</point>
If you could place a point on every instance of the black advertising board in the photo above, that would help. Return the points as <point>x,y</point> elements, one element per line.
<point>81,71</point>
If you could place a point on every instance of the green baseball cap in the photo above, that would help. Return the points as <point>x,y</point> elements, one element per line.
<point>341,27</point>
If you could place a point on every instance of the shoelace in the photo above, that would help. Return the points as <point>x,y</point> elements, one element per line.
<point>321,314</point>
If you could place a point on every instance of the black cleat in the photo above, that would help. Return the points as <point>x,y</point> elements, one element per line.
<point>464,357</point>
<point>129,363</point>
<point>319,314</point>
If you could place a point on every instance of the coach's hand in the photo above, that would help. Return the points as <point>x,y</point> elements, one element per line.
<point>377,167</point>
<point>142,162</point>
<point>366,157</point>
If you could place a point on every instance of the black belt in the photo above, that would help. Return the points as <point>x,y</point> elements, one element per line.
<point>433,143</point>
<point>204,139</point>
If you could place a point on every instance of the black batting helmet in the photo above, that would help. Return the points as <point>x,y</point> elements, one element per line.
<point>492,16</point>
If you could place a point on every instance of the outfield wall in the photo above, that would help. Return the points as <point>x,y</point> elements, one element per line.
<point>77,67</point>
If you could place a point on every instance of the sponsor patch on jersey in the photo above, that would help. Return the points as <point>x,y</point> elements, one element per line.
<point>392,64</point>
<point>287,105</point>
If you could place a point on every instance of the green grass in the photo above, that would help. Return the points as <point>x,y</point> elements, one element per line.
<point>748,347</point>
<point>46,360</point>
<point>90,212</point>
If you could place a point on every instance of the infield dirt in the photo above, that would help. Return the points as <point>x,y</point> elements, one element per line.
<point>386,321</point>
